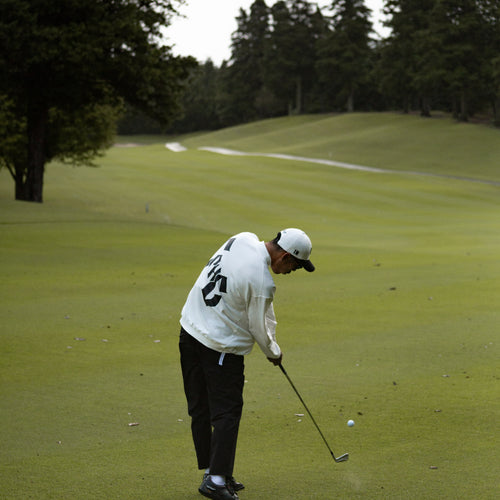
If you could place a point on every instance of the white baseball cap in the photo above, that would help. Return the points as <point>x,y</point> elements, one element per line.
<point>297,243</point>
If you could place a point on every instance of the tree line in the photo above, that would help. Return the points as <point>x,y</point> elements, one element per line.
<point>294,57</point>
<point>70,70</point>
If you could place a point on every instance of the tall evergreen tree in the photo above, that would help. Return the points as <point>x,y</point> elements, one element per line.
<point>490,12</point>
<point>242,78</point>
<point>462,34</point>
<point>344,54</point>
<point>290,61</point>
<point>443,52</point>
<point>406,54</point>
<point>489,48</point>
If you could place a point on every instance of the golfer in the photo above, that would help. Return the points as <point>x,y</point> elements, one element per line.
<point>229,308</point>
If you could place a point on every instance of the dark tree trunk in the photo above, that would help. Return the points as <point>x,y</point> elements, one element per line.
<point>464,112</point>
<point>20,170</point>
<point>29,178</point>
<point>406,105</point>
<point>425,107</point>
<point>454,107</point>
<point>298,95</point>
<point>350,101</point>
<point>496,111</point>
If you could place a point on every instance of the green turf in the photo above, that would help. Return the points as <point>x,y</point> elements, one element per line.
<point>383,140</point>
<point>397,329</point>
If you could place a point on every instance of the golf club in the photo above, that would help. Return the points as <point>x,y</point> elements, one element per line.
<point>343,457</point>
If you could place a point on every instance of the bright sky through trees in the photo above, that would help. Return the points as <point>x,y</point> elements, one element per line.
<point>205,32</point>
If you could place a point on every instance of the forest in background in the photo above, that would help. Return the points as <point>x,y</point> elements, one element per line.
<point>295,57</point>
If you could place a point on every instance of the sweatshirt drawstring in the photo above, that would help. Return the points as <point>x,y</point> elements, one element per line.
<point>221,359</point>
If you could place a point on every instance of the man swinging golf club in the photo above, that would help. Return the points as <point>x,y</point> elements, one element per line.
<point>229,308</point>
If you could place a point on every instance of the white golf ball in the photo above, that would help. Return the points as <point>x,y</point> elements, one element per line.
<point>350,423</point>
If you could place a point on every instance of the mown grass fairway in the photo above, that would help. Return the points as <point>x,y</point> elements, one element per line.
<point>398,329</point>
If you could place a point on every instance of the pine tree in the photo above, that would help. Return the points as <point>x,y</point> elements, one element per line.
<point>242,77</point>
<point>344,53</point>
<point>490,14</point>
<point>461,32</point>
<point>406,54</point>
<point>290,58</point>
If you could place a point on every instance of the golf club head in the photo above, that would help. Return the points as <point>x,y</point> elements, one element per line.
<point>342,458</point>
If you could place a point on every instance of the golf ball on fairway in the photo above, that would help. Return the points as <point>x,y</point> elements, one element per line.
<point>350,423</point>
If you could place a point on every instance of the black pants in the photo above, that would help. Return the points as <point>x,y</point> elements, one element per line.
<point>213,383</point>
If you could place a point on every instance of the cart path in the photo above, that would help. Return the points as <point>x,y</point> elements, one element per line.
<point>175,146</point>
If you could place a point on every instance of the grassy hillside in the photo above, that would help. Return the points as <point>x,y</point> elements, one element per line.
<point>397,329</point>
<point>383,140</point>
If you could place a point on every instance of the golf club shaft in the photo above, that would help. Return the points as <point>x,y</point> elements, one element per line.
<point>342,458</point>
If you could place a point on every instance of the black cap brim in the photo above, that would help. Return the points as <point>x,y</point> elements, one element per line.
<point>308,265</point>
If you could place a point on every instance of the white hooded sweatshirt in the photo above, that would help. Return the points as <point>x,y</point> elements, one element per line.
<point>230,307</point>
